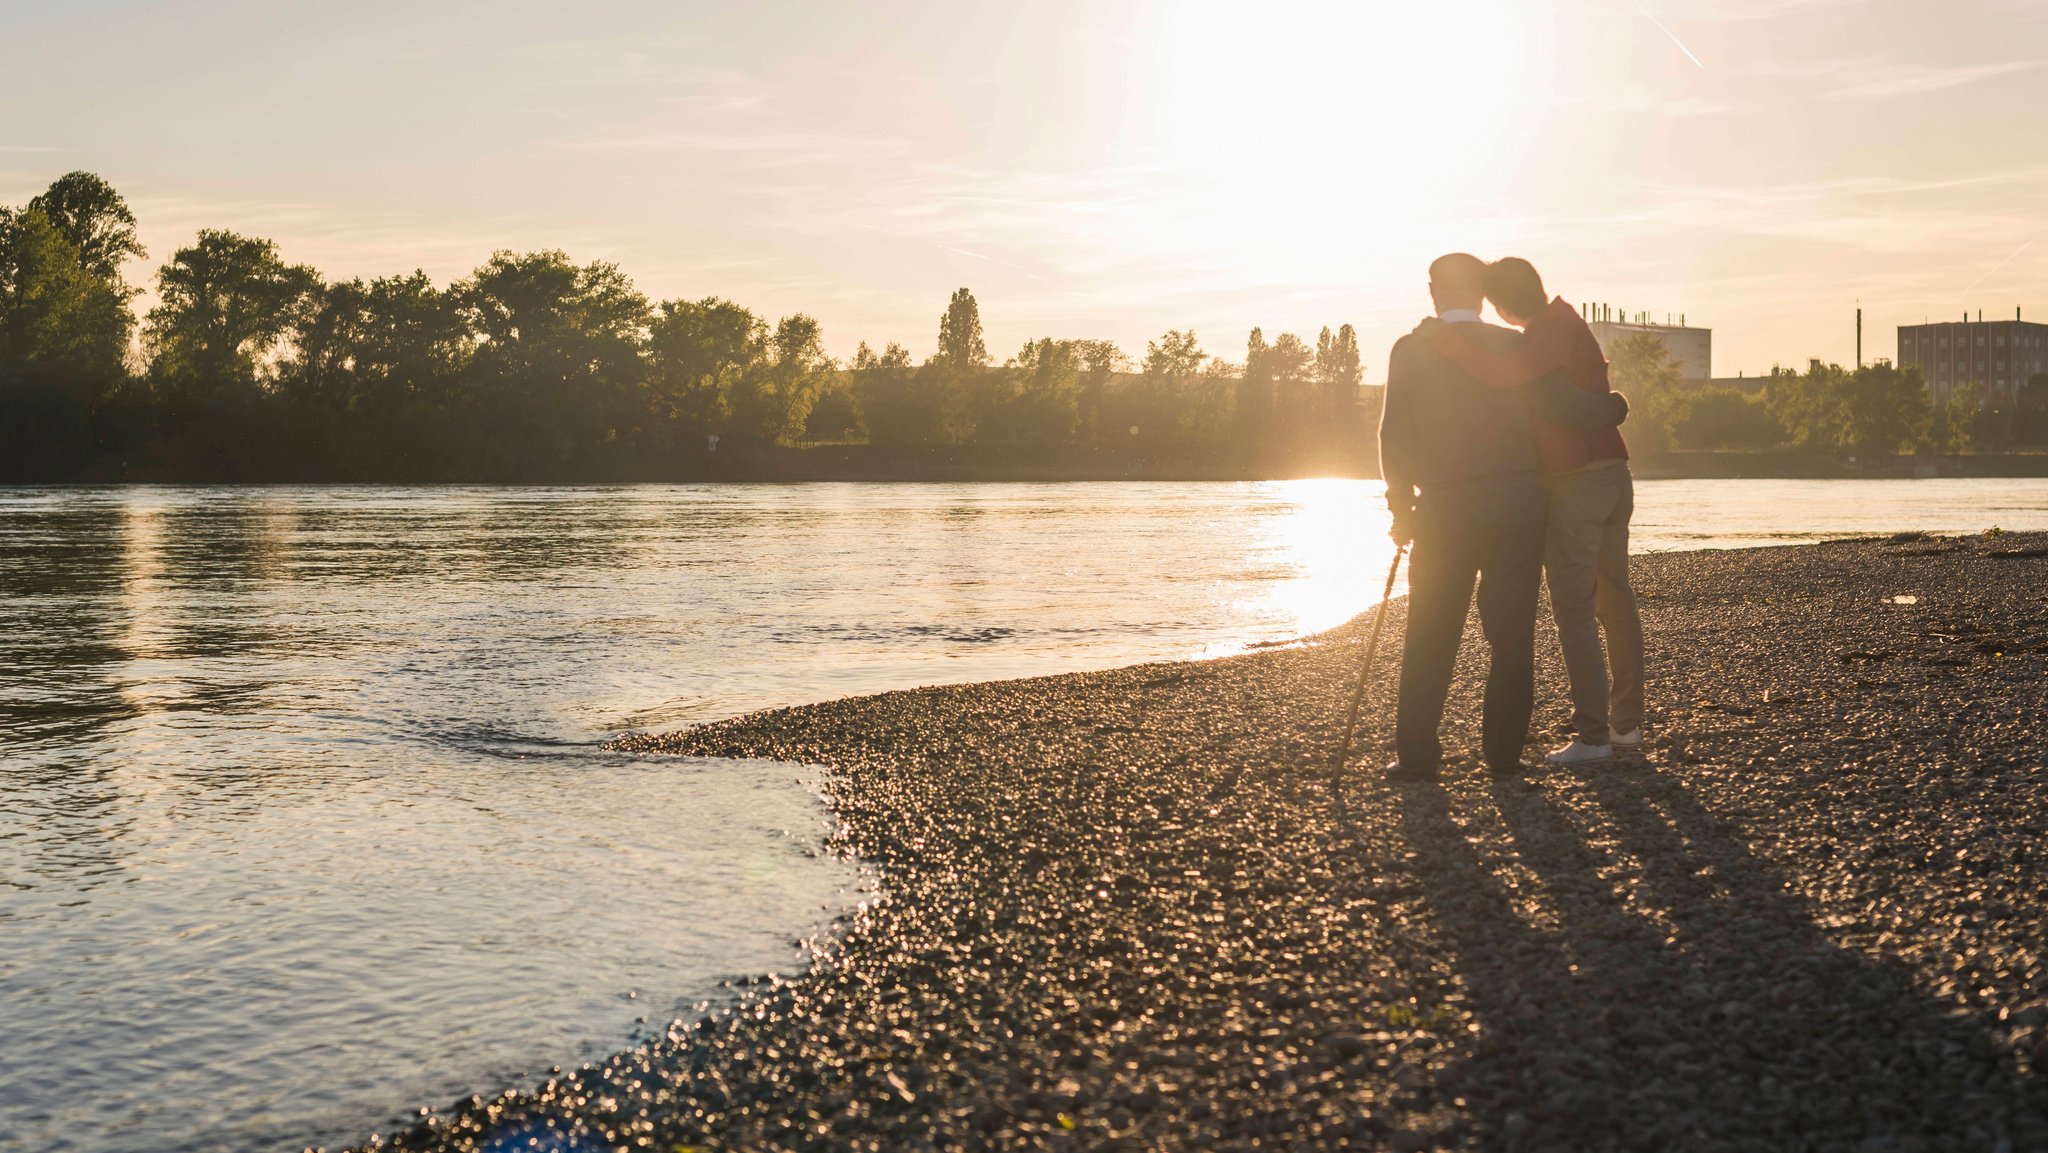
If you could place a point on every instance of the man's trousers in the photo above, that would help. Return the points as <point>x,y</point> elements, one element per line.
<point>1491,532</point>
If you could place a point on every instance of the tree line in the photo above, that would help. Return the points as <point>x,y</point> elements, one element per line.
<point>1828,410</point>
<point>537,367</point>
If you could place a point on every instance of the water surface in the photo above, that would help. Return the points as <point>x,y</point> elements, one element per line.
<point>305,819</point>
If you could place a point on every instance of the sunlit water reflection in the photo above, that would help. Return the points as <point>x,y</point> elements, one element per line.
<point>305,819</point>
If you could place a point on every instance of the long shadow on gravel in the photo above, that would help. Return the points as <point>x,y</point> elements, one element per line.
<point>1642,982</point>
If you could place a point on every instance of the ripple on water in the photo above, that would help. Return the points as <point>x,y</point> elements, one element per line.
<point>305,820</point>
<point>263,960</point>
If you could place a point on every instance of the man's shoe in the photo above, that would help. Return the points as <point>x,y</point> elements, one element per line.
<point>1507,772</point>
<point>1629,742</point>
<point>1579,753</point>
<point>1398,773</point>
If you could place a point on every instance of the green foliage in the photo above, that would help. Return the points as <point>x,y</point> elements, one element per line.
<point>836,416</point>
<point>1665,413</point>
<point>557,369</point>
<point>1044,397</point>
<point>224,304</point>
<point>1643,369</point>
<point>95,219</point>
<point>387,347</point>
<point>1254,393</point>
<point>960,343</point>
<point>697,353</point>
<point>1724,418</point>
<point>2030,412</point>
<point>1184,401</point>
<point>53,310</point>
<point>1338,371</point>
<point>1290,364</point>
<point>905,407</point>
<point>1175,356</point>
<point>536,367</point>
<point>63,335</point>
<point>1885,410</point>
<point>1874,410</point>
<point>1812,408</point>
<point>1101,360</point>
<point>1955,423</point>
<point>774,395</point>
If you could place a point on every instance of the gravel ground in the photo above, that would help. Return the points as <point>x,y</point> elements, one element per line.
<point>1126,910</point>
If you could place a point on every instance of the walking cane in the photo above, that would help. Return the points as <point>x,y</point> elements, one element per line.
<point>1372,648</point>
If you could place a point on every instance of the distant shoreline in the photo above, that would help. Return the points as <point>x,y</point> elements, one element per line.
<point>863,463</point>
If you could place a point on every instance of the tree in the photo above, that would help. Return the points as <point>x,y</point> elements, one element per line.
<point>1885,408</point>
<point>1338,372</point>
<point>1288,364</point>
<point>1724,418</point>
<point>380,348</point>
<point>1255,388</point>
<point>321,372</point>
<point>836,416</point>
<point>413,344</point>
<point>95,219</point>
<point>224,304</point>
<point>63,334</point>
<point>1045,412</point>
<point>906,407</point>
<point>2030,415</point>
<point>960,342</point>
<point>1953,425</point>
<point>1168,404</point>
<point>1175,356</point>
<point>774,398</point>
<point>1641,367</point>
<point>558,367</point>
<point>52,309</point>
<point>1101,360</point>
<point>1812,407</point>
<point>698,351</point>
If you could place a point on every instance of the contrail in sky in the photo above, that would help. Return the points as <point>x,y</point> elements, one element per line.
<point>1999,265</point>
<point>1668,32</point>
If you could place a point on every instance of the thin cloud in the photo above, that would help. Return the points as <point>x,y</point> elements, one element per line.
<point>1661,27</point>
<point>1612,98</point>
<point>761,149</point>
<point>1740,11</point>
<point>1851,79</point>
<point>1997,267</point>
<point>1914,82</point>
<point>991,260</point>
<point>1884,216</point>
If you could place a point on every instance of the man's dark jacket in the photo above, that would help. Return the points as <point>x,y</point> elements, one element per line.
<point>1438,426</point>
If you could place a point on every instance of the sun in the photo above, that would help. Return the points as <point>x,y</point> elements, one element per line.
<point>1309,127</point>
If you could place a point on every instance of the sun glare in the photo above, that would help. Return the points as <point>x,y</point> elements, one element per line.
<point>1309,127</point>
<point>1333,541</point>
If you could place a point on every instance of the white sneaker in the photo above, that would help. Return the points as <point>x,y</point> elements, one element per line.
<point>1579,752</point>
<point>1628,742</point>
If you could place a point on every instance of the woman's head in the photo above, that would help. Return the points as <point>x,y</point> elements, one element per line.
<point>1515,289</point>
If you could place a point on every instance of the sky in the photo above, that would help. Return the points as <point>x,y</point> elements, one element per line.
<point>1090,168</point>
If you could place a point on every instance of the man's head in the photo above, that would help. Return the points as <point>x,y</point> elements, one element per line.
<point>1515,289</point>
<point>1457,281</point>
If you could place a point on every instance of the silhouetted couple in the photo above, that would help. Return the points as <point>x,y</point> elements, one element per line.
<point>1504,461</point>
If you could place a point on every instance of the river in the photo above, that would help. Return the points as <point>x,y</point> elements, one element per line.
<point>306,820</point>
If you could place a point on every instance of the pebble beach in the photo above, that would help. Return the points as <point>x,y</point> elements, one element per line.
<point>1137,910</point>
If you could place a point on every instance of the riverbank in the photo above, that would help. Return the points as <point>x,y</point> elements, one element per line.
<point>1357,458</point>
<point>1123,910</point>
